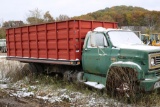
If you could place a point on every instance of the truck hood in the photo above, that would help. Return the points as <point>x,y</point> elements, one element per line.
<point>144,48</point>
<point>136,51</point>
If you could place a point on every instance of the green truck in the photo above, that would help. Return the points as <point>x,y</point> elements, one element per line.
<point>91,52</point>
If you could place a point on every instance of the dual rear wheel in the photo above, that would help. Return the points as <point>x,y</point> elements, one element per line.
<point>36,68</point>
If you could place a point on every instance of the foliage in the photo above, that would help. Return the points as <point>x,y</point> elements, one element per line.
<point>62,18</point>
<point>35,16</point>
<point>10,24</point>
<point>126,16</point>
<point>34,20</point>
<point>48,18</point>
<point>2,33</point>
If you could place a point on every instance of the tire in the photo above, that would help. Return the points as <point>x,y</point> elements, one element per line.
<point>80,77</point>
<point>122,82</point>
<point>26,70</point>
<point>32,68</point>
<point>36,68</point>
<point>39,68</point>
<point>66,76</point>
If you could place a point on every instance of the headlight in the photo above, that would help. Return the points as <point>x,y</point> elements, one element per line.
<point>153,61</point>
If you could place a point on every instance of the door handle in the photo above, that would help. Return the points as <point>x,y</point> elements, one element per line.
<point>87,49</point>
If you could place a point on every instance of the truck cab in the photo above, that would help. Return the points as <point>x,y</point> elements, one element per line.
<point>119,58</point>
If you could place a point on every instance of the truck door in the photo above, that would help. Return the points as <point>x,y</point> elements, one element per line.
<point>96,54</point>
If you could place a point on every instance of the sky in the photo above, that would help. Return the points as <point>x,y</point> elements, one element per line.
<point>19,9</point>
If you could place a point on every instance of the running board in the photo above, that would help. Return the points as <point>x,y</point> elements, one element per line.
<point>94,84</point>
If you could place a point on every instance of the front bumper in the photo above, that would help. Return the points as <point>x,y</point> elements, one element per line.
<point>148,84</point>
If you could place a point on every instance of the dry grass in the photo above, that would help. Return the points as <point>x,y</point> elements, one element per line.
<point>122,82</point>
<point>14,70</point>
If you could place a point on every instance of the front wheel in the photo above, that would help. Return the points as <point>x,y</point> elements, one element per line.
<point>122,82</point>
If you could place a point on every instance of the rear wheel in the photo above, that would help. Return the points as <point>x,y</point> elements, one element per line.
<point>36,68</point>
<point>122,82</point>
<point>72,76</point>
<point>80,77</point>
<point>66,76</point>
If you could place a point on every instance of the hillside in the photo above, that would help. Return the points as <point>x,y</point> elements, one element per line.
<point>126,16</point>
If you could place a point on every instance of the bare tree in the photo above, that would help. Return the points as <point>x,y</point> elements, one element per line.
<point>62,18</point>
<point>48,18</point>
<point>150,23</point>
<point>35,16</point>
<point>1,22</point>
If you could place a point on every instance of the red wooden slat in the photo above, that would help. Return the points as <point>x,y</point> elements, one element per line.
<point>80,40</point>
<point>103,24</point>
<point>74,40</point>
<point>56,31</point>
<point>21,42</point>
<point>14,41</point>
<point>67,28</point>
<point>46,41</point>
<point>37,55</point>
<point>92,25</point>
<point>29,49</point>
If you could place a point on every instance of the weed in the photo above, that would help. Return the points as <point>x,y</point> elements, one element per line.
<point>46,84</point>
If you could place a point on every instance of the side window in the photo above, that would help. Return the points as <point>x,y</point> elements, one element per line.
<point>97,39</point>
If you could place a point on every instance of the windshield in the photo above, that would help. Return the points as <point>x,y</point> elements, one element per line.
<point>123,38</point>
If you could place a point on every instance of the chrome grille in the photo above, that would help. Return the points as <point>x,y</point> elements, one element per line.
<point>155,56</point>
<point>157,73</point>
<point>157,60</point>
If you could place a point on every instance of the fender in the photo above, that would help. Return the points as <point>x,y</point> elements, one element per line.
<point>128,64</point>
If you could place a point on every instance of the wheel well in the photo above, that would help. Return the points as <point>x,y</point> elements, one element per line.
<point>120,69</point>
<point>125,71</point>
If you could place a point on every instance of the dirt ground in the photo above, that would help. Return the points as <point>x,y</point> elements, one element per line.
<point>9,101</point>
<point>12,101</point>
